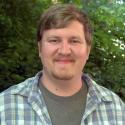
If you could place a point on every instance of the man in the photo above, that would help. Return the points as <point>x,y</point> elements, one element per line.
<point>61,94</point>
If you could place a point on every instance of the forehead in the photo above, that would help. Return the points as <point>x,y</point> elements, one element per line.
<point>73,28</point>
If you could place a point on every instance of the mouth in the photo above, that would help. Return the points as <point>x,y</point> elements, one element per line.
<point>64,61</point>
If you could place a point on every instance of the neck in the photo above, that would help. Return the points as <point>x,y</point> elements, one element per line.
<point>62,87</point>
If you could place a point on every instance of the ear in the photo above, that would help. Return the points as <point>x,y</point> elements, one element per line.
<point>39,48</point>
<point>88,51</point>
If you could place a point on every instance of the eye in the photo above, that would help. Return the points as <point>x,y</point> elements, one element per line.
<point>53,40</point>
<point>75,41</point>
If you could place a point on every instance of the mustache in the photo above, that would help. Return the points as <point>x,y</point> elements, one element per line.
<point>68,58</point>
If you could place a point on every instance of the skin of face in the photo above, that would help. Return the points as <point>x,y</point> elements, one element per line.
<point>63,53</point>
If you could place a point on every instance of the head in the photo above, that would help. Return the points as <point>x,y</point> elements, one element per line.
<point>59,16</point>
<point>64,40</point>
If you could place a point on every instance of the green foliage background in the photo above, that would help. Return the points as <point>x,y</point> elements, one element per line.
<point>18,47</point>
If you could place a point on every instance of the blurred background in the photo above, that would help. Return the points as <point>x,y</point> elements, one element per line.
<point>18,46</point>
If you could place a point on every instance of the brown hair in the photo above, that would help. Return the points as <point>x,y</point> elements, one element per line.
<point>59,16</point>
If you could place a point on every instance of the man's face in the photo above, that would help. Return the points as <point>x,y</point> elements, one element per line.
<point>64,51</point>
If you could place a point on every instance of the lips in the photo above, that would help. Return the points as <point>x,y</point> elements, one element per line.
<point>64,61</point>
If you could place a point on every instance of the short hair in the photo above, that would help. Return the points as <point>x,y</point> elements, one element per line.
<point>59,16</point>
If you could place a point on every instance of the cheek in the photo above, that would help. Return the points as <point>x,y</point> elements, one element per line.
<point>43,50</point>
<point>47,49</point>
<point>46,54</point>
<point>83,54</point>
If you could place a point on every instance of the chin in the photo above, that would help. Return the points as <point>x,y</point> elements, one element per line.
<point>63,76</point>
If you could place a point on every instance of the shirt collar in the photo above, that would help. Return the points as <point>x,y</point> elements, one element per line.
<point>96,92</point>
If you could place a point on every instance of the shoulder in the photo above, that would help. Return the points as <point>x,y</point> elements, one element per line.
<point>106,104</point>
<point>15,94</point>
<point>108,95</point>
<point>103,94</point>
<point>17,88</point>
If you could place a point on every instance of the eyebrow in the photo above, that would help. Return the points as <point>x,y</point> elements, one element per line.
<point>53,36</point>
<point>58,37</point>
<point>76,37</point>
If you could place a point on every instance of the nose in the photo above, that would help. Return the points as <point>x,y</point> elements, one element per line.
<point>65,48</point>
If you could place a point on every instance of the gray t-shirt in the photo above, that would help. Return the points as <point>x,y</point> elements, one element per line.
<point>65,110</point>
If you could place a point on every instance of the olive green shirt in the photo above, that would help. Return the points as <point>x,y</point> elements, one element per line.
<point>65,110</point>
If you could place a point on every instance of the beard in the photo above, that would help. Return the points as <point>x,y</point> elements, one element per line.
<point>62,76</point>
